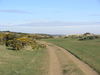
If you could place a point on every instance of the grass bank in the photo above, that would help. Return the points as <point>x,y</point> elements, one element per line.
<point>23,62</point>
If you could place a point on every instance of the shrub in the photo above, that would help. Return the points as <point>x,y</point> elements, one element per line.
<point>89,37</point>
<point>18,41</point>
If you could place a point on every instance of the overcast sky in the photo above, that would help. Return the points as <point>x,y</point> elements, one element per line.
<point>50,16</point>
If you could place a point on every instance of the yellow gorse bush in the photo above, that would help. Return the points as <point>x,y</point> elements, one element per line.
<point>19,41</point>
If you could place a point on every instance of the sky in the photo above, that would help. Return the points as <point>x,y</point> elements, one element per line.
<point>50,16</point>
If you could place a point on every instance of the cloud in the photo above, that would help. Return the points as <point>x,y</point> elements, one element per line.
<point>15,11</point>
<point>52,23</point>
<point>59,23</point>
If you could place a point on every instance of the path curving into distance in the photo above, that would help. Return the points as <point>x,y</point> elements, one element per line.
<point>63,56</point>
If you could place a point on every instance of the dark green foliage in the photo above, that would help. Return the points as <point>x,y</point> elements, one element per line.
<point>5,37</point>
<point>88,37</point>
<point>85,36</point>
<point>15,45</point>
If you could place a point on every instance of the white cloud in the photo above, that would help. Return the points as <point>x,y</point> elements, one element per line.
<point>16,11</point>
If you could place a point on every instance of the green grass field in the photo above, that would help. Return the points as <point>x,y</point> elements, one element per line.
<point>87,51</point>
<point>23,62</point>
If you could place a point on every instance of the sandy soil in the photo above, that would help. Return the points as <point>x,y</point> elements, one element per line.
<point>54,64</point>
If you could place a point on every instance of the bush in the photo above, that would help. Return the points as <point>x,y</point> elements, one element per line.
<point>1,39</point>
<point>87,38</point>
<point>18,41</point>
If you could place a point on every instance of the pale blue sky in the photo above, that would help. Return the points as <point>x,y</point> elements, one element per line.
<point>42,16</point>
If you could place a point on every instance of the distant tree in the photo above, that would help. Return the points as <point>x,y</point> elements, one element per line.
<point>87,34</point>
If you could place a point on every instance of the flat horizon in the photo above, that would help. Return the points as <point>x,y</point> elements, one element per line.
<point>50,17</point>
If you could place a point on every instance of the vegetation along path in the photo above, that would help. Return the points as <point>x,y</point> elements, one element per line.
<point>64,63</point>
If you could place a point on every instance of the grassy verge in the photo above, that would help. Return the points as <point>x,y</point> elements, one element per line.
<point>88,50</point>
<point>23,62</point>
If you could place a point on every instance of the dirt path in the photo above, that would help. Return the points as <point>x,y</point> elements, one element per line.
<point>55,66</point>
